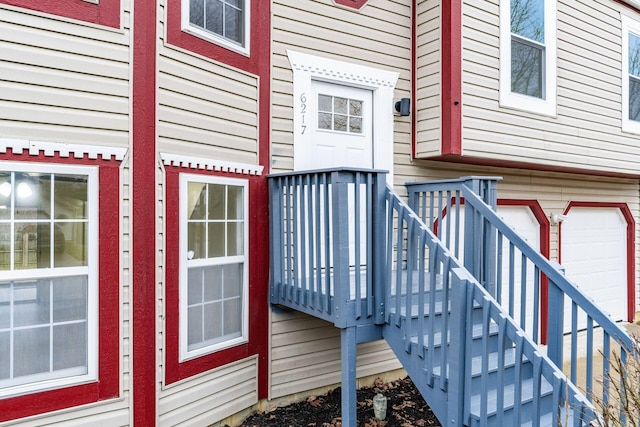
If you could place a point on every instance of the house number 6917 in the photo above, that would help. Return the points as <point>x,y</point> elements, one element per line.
<point>303,111</point>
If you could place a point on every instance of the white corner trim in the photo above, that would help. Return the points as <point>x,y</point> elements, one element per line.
<point>191,162</point>
<point>342,71</point>
<point>50,149</point>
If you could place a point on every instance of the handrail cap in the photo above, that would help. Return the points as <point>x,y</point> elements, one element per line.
<point>326,170</point>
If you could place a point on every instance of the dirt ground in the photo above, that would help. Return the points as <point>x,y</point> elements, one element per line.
<point>405,408</point>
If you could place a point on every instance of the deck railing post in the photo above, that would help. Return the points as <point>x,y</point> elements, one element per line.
<point>275,239</point>
<point>457,348</point>
<point>379,220</point>
<point>340,226</point>
<point>555,324</point>
<point>349,392</point>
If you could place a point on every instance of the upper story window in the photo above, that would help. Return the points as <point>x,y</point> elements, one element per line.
<point>48,289</point>
<point>630,75</point>
<point>528,55</point>
<point>213,278</point>
<point>225,22</point>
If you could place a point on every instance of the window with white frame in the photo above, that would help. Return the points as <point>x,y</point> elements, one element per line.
<point>225,22</point>
<point>528,55</point>
<point>213,277</point>
<point>48,284</point>
<point>630,75</point>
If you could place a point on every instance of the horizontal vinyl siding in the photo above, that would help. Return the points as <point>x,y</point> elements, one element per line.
<point>587,130</point>
<point>112,414</point>
<point>62,80</point>
<point>376,36</point>
<point>305,352</point>
<point>211,397</point>
<point>206,109</point>
<point>306,355</point>
<point>428,77</point>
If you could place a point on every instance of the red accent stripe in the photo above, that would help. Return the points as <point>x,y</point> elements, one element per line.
<point>107,12</point>
<point>414,83</point>
<point>451,74</point>
<point>631,244</point>
<point>143,117</point>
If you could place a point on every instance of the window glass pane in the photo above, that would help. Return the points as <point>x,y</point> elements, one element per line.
<point>70,195</point>
<point>196,244</point>
<point>234,24</point>
<point>70,300</point>
<point>234,202</point>
<point>340,105</point>
<point>5,351</point>
<point>212,321</point>
<point>31,351</point>
<point>340,123</point>
<point>324,121</point>
<point>526,69</point>
<point>355,125</point>
<point>634,55</point>
<point>32,196</point>
<point>217,194</point>
<point>5,307</point>
<point>194,285</point>
<point>634,99</point>
<point>5,195</point>
<point>232,280</point>
<point>236,3</point>
<point>214,16</point>
<point>31,303</point>
<point>235,238</point>
<point>527,19</point>
<point>324,103</point>
<point>355,107</point>
<point>196,12</point>
<point>232,317</point>
<point>70,244</point>
<point>213,283</point>
<point>70,346</point>
<point>194,324</point>
<point>196,200</point>
<point>5,246</point>
<point>216,239</point>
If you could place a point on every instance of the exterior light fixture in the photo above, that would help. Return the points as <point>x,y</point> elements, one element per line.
<point>403,106</point>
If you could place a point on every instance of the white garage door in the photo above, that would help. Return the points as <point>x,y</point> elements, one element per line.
<point>594,255</point>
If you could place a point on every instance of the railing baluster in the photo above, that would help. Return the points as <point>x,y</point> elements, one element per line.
<point>328,243</point>
<point>536,304</point>
<point>523,291</point>
<point>356,229</point>
<point>318,248</point>
<point>574,342</point>
<point>589,358</point>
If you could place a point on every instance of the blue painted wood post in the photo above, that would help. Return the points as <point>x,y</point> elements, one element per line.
<point>349,392</point>
<point>379,246</point>
<point>340,224</point>
<point>457,346</point>
<point>555,331</point>
<point>275,237</point>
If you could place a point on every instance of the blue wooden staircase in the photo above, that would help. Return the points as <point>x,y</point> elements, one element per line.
<point>451,287</point>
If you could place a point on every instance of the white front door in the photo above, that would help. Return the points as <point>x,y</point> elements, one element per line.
<point>339,120</point>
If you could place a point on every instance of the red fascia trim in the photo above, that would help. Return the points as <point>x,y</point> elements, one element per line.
<point>260,39</point>
<point>108,384</point>
<point>451,73</point>
<point>414,83</point>
<point>355,4</point>
<point>106,13</point>
<point>545,250</point>
<point>631,244</point>
<point>143,224</point>
<point>258,255</point>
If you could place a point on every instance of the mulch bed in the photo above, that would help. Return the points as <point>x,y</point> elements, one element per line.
<point>405,408</point>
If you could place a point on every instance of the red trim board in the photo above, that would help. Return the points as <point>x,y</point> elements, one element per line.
<point>106,12</point>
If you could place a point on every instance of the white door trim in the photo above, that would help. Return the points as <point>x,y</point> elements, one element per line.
<point>381,82</point>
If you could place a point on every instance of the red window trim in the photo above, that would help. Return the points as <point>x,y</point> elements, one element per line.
<point>106,12</point>
<point>630,249</point>
<point>258,258</point>
<point>258,60</point>
<point>108,384</point>
<point>355,4</point>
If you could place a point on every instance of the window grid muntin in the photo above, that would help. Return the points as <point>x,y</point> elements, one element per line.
<point>188,264</point>
<point>64,377</point>
<point>332,114</point>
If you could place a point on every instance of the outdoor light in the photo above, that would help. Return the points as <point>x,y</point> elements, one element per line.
<point>403,106</point>
<point>557,218</point>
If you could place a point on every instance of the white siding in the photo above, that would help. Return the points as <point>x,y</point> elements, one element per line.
<point>305,352</point>
<point>428,78</point>
<point>62,80</point>
<point>206,109</point>
<point>587,132</point>
<point>210,397</point>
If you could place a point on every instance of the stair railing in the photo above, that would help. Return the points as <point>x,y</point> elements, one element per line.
<point>513,272</point>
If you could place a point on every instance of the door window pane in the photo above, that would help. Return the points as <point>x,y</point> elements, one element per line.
<point>339,114</point>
